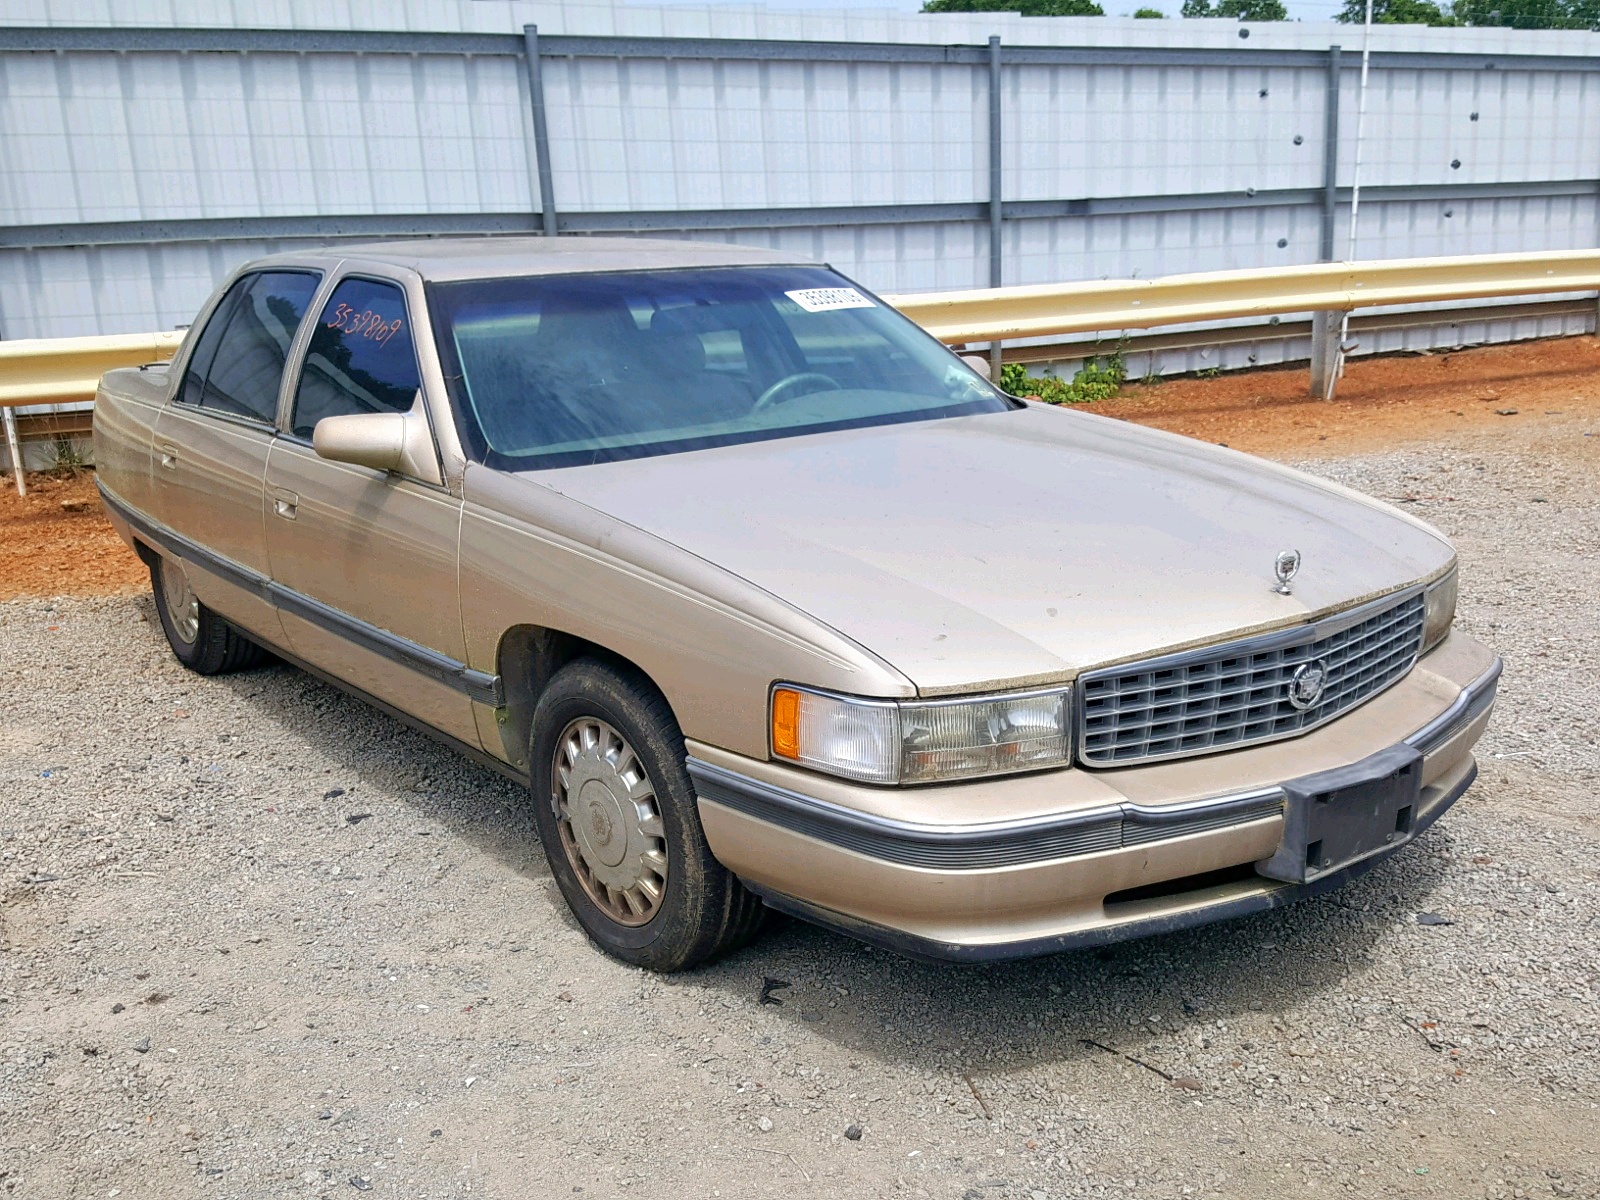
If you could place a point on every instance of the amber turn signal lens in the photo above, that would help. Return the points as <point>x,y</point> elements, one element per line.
<point>786,723</point>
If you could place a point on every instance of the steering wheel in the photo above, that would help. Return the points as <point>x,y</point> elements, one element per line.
<point>771,396</point>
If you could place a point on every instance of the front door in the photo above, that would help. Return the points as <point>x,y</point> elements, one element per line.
<point>365,560</point>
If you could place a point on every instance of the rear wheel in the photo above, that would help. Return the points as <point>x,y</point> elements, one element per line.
<point>201,640</point>
<point>617,814</point>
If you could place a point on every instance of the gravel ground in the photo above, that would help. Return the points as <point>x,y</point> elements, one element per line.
<point>258,940</point>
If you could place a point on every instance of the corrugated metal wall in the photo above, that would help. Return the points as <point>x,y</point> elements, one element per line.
<point>640,134</point>
<point>137,175</point>
<point>124,137</point>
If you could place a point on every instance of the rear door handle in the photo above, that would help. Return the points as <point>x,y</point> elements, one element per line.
<point>168,455</point>
<point>286,505</point>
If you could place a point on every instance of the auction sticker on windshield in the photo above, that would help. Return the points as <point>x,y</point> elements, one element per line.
<point>828,299</point>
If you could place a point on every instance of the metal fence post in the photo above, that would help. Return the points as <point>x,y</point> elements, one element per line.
<point>996,162</point>
<point>16,450</point>
<point>1325,325</point>
<point>541,133</point>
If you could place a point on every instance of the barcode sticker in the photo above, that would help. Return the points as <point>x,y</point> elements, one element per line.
<point>828,299</point>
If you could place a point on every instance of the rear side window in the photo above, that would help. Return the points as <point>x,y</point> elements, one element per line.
<point>237,365</point>
<point>361,358</point>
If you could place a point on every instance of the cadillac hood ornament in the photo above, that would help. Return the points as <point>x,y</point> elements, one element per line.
<point>1286,567</point>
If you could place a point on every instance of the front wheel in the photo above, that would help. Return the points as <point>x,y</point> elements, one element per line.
<point>617,814</point>
<point>203,641</point>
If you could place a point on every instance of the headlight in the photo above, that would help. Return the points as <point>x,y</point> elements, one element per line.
<point>1438,611</point>
<point>887,741</point>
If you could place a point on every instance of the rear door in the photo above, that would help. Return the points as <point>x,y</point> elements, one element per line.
<point>212,441</point>
<point>365,560</point>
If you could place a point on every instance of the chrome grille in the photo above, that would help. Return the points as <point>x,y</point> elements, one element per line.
<point>1237,693</point>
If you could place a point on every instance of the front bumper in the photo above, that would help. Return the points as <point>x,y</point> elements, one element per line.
<point>1073,858</point>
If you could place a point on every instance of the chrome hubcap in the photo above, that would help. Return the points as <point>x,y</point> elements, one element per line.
<point>610,822</point>
<point>182,606</point>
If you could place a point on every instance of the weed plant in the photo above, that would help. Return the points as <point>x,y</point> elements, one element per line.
<point>1099,379</point>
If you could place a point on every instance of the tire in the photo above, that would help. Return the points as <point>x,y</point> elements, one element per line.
<point>613,803</point>
<point>202,640</point>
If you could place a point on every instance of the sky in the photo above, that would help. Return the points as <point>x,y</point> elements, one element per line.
<point>1299,10</point>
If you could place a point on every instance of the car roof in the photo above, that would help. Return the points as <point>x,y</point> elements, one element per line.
<point>495,257</point>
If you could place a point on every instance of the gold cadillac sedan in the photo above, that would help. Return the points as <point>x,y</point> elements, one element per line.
<point>772,601</point>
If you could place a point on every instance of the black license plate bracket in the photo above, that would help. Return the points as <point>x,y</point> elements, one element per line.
<point>1339,817</point>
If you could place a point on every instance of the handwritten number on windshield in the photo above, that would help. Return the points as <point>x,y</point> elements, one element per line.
<point>366,323</point>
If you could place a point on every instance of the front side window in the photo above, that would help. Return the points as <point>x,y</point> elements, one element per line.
<point>237,365</point>
<point>361,358</point>
<point>562,370</point>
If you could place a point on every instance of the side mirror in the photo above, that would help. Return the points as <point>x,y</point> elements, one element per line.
<point>978,364</point>
<point>376,440</point>
<point>397,442</point>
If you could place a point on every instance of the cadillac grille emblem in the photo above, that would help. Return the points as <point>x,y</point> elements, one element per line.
<point>1306,684</point>
<point>1286,567</point>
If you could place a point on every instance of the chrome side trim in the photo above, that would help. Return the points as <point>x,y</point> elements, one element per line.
<point>1477,697</point>
<point>466,749</point>
<point>977,847</point>
<point>479,686</point>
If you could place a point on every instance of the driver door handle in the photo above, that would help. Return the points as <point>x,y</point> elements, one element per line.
<point>285,504</point>
<point>167,454</point>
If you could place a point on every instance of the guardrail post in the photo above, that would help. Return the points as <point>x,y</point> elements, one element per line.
<point>544,176</point>
<point>1325,325</point>
<point>16,450</point>
<point>1325,328</point>
<point>996,162</point>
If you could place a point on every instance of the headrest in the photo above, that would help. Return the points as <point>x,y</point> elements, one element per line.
<point>676,353</point>
<point>589,322</point>
<point>693,318</point>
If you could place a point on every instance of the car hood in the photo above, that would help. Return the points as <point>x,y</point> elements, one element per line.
<point>1018,547</point>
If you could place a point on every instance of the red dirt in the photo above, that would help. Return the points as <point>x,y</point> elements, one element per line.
<point>49,549</point>
<point>57,542</point>
<point>1381,402</point>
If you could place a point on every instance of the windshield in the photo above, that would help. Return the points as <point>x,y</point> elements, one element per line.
<point>560,370</point>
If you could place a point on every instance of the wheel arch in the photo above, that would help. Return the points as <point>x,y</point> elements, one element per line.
<point>147,553</point>
<point>527,659</point>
